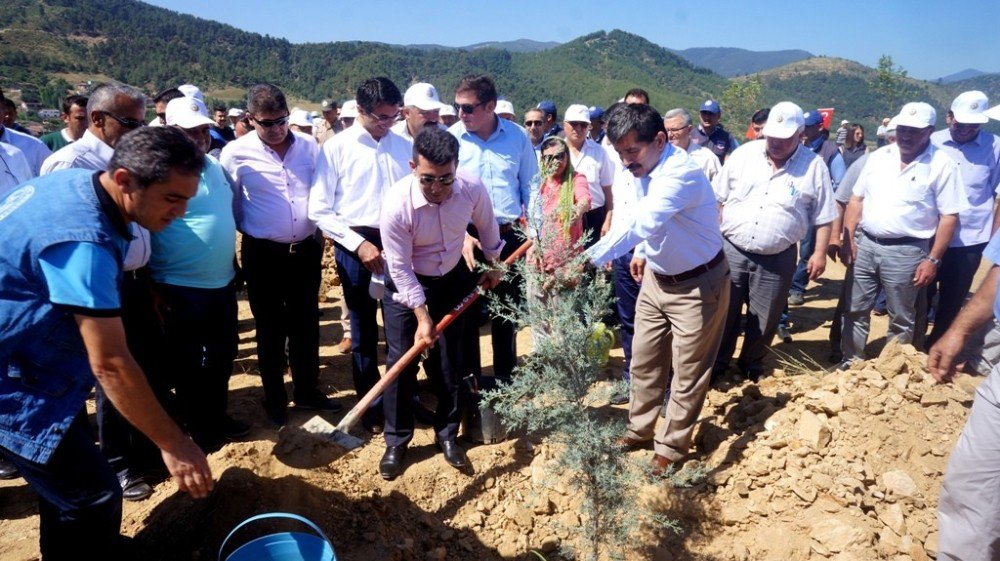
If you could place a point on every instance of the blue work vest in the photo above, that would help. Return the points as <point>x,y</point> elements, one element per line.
<point>45,376</point>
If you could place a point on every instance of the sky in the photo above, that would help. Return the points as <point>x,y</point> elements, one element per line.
<point>929,39</point>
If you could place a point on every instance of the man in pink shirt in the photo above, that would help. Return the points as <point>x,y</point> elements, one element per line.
<point>423,223</point>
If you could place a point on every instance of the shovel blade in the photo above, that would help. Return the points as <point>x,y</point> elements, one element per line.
<point>323,429</point>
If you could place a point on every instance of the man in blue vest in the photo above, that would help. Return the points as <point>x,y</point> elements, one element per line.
<point>60,328</point>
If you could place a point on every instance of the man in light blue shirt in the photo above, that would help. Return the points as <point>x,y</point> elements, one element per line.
<point>680,312</point>
<point>500,154</point>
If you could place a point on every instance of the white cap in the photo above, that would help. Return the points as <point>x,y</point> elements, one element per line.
<point>349,109</point>
<point>448,110</point>
<point>784,121</point>
<point>236,112</point>
<point>970,108</point>
<point>315,114</point>
<point>300,117</point>
<point>187,113</point>
<point>993,113</point>
<point>844,122</point>
<point>423,96</point>
<point>504,107</point>
<point>577,114</point>
<point>916,114</point>
<point>891,126</point>
<point>191,90</point>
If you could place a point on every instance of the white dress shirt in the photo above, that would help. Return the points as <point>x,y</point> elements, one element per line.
<point>594,164</point>
<point>16,169</point>
<point>353,173</point>
<point>706,160</point>
<point>979,171</point>
<point>273,191</point>
<point>34,150</point>
<point>402,130</point>
<point>909,201</point>
<point>766,211</point>
<point>676,216</point>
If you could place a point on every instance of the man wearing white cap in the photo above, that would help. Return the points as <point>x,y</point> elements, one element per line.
<point>448,115</point>
<point>348,113</point>
<point>235,114</point>
<point>505,110</point>
<point>772,192</point>
<point>977,153</point>
<point>326,127</point>
<point>842,132</point>
<point>908,194</point>
<point>590,159</point>
<point>192,264</point>
<point>420,109</point>
<point>299,120</point>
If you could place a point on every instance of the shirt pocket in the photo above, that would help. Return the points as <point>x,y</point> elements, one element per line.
<point>785,195</point>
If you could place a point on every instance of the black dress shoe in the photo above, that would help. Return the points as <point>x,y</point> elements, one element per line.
<point>453,453</point>
<point>276,412</point>
<point>134,487</point>
<point>318,402</point>
<point>392,462</point>
<point>8,470</point>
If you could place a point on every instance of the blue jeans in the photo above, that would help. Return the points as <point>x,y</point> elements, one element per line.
<point>626,293</point>
<point>79,498</point>
<point>800,280</point>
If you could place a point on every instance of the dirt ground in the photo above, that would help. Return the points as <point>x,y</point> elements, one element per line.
<point>804,465</point>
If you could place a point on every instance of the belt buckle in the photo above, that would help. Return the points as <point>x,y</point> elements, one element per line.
<point>292,247</point>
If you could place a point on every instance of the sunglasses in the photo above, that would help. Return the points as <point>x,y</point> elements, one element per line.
<point>554,157</point>
<point>469,108</point>
<point>533,123</point>
<point>129,124</point>
<point>428,180</point>
<point>268,123</point>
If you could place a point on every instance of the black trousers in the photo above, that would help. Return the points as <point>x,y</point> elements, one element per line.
<point>952,284</point>
<point>283,290</point>
<point>445,365</point>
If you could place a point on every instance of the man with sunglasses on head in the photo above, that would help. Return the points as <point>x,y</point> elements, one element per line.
<point>498,152</point>
<point>273,168</point>
<point>423,227</point>
<point>353,172</point>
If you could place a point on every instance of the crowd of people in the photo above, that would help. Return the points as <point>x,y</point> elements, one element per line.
<point>706,239</point>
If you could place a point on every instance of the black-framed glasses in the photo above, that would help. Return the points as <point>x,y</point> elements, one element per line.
<point>679,129</point>
<point>268,123</point>
<point>428,180</point>
<point>469,108</point>
<point>380,119</point>
<point>129,124</point>
<point>554,157</point>
<point>533,123</point>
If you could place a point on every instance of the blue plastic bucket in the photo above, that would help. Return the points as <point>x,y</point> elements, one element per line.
<point>283,546</point>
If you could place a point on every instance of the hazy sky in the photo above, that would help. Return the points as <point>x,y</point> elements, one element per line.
<point>928,39</point>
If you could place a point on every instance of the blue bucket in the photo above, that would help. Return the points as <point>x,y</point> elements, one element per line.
<point>283,546</point>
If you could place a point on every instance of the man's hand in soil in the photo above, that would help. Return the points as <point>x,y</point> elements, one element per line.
<point>187,464</point>
<point>370,257</point>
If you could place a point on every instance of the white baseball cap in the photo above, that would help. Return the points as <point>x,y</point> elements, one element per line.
<point>784,121</point>
<point>191,90</point>
<point>187,113</point>
<point>891,125</point>
<point>970,107</point>
<point>236,112</point>
<point>300,117</point>
<point>349,109</point>
<point>448,110</point>
<point>916,114</point>
<point>423,96</point>
<point>993,113</point>
<point>504,107</point>
<point>577,113</point>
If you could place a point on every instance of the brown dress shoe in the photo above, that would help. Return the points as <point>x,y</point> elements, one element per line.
<point>628,443</point>
<point>660,464</point>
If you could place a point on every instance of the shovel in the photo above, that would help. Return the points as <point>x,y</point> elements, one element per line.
<point>341,434</point>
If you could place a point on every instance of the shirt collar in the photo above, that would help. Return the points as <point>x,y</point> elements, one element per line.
<point>417,198</point>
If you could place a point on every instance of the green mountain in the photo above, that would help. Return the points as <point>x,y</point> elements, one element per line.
<point>732,62</point>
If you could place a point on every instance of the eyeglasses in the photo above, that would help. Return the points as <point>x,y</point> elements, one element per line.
<point>268,123</point>
<point>383,118</point>
<point>533,123</point>
<point>469,108</point>
<point>428,180</point>
<point>679,129</point>
<point>554,157</point>
<point>129,124</point>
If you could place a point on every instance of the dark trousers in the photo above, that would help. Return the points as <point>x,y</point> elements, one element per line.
<point>202,339</point>
<point>952,284</point>
<point>626,293</point>
<point>79,499</point>
<point>362,312</point>
<point>283,290</point>
<point>801,277</point>
<point>503,333</point>
<point>843,304</point>
<point>127,449</point>
<point>445,365</point>
<point>593,220</point>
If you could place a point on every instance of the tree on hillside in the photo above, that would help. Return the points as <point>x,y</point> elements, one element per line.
<point>739,102</point>
<point>889,84</point>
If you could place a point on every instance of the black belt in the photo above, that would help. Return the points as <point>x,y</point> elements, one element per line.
<point>687,275</point>
<point>283,247</point>
<point>892,241</point>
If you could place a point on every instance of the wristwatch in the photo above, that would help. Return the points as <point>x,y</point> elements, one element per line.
<point>937,262</point>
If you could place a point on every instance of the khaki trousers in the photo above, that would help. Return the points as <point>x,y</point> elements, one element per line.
<point>681,325</point>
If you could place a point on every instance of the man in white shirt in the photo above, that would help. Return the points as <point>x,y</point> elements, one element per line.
<point>977,154</point>
<point>772,191</point>
<point>421,105</point>
<point>908,193</point>
<point>34,150</point>
<point>590,160</point>
<point>679,126</point>
<point>273,169</point>
<point>16,169</point>
<point>354,170</point>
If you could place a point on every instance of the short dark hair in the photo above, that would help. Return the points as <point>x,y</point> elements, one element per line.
<point>437,146</point>
<point>479,84</point>
<point>550,142</point>
<point>168,95</point>
<point>8,103</point>
<point>637,92</point>
<point>377,91</point>
<point>760,116</point>
<point>218,108</point>
<point>151,153</point>
<point>73,99</point>
<point>641,118</point>
<point>265,98</point>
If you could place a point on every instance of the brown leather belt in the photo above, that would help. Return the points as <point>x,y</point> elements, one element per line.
<point>687,275</point>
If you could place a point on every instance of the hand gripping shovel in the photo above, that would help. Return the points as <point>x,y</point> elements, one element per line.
<point>340,434</point>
